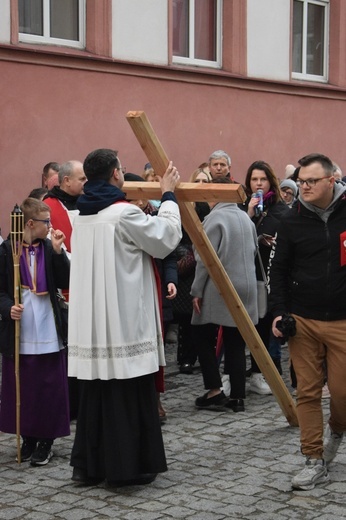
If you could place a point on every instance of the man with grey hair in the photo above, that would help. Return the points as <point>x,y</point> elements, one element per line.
<point>62,200</point>
<point>219,164</point>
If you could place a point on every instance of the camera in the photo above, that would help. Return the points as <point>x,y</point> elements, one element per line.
<point>287,326</point>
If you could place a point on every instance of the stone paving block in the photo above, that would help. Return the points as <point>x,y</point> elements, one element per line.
<point>331,517</point>
<point>11,512</point>
<point>35,515</point>
<point>76,513</point>
<point>207,515</point>
<point>136,515</point>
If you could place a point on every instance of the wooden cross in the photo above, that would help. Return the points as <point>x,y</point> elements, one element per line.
<point>187,193</point>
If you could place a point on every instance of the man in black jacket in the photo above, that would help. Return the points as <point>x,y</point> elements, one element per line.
<point>308,279</point>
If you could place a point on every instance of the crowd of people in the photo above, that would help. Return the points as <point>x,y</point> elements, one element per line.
<point>91,257</point>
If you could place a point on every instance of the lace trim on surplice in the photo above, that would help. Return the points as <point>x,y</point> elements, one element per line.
<point>112,352</point>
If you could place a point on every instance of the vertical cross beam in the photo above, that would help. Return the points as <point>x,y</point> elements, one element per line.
<point>159,160</point>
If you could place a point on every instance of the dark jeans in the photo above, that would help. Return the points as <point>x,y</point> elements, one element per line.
<point>234,357</point>
<point>187,350</point>
<point>264,329</point>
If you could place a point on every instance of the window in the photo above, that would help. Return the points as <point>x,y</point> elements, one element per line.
<point>310,39</point>
<point>197,32</point>
<point>58,22</point>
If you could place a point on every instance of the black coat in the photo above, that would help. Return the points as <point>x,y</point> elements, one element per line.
<point>267,223</point>
<point>308,264</point>
<point>57,272</point>
<point>182,304</point>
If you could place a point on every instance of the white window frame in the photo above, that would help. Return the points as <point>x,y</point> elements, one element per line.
<point>191,60</point>
<point>303,75</point>
<point>47,39</point>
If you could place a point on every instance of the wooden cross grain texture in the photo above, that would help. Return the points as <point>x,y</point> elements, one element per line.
<point>186,193</point>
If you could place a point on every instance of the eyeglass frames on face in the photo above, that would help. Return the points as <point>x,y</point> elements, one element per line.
<point>311,182</point>
<point>45,220</point>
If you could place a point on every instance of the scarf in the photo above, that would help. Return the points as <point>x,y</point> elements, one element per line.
<point>267,197</point>
<point>69,201</point>
<point>37,283</point>
<point>98,195</point>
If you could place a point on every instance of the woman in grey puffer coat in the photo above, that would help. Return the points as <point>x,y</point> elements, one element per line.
<point>234,238</point>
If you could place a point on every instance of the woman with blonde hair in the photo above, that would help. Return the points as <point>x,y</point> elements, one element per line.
<point>182,305</point>
<point>201,174</point>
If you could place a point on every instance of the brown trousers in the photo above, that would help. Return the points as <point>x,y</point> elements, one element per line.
<point>316,343</point>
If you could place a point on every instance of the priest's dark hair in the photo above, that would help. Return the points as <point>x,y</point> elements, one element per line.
<point>100,164</point>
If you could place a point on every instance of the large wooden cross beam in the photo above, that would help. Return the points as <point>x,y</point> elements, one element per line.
<point>186,193</point>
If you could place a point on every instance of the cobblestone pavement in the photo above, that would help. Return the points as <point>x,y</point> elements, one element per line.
<point>222,465</point>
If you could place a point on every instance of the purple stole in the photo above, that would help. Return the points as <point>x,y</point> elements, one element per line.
<point>37,282</point>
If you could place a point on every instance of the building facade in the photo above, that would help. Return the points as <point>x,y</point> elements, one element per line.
<point>261,79</point>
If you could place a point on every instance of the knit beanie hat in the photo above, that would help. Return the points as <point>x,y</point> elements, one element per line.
<point>288,183</point>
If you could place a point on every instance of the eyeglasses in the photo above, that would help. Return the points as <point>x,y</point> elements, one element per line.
<point>287,193</point>
<point>45,220</point>
<point>311,182</point>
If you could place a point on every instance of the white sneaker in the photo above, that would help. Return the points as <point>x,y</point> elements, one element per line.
<point>314,472</point>
<point>226,385</point>
<point>332,441</point>
<point>258,384</point>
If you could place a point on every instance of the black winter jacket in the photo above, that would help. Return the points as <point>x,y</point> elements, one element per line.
<point>268,223</point>
<point>57,272</point>
<point>307,270</point>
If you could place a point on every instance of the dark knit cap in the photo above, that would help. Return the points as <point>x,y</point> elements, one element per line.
<point>133,177</point>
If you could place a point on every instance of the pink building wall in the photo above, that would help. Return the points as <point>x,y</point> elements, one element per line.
<point>56,108</point>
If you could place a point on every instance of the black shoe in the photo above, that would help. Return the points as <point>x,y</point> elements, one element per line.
<point>186,368</point>
<point>80,476</point>
<point>43,453</point>
<point>217,402</point>
<point>237,405</point>
<point>27,449</point>
<point>146,478</point>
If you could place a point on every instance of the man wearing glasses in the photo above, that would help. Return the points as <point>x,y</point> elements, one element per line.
<point>308,280</point>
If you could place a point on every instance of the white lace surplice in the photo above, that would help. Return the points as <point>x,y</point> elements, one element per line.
<point>38,333</point>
